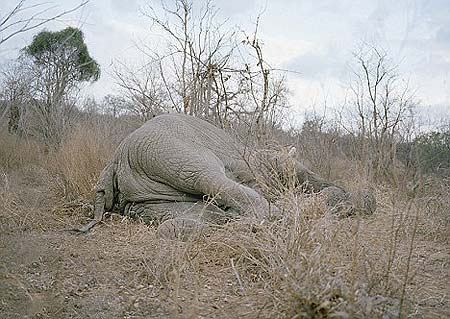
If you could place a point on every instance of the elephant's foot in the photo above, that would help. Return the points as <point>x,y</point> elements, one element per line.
<point>180,228</point>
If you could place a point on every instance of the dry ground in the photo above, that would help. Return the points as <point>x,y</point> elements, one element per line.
<point>308,265</point>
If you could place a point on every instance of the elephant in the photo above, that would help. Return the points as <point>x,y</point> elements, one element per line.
<point>179,171</point>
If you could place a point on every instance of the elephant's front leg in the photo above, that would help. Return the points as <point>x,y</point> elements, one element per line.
<point>337,198</point>
<point>311,181</point>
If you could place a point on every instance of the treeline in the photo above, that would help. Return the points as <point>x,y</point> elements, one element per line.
<point>430,152</point>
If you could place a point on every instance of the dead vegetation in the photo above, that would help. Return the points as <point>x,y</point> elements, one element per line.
<point>309,264</point>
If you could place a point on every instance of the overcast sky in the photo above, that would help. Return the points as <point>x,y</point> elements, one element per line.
<point>313,38</point>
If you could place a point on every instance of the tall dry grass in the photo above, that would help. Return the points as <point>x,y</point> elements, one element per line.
<point>39,185</point>
<point>309,264</point>
<point>306,265</point>
<point>21,180</point>
<point>79,160</point>
<point>18,152</point>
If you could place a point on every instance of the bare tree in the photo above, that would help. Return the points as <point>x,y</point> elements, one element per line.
<point>144,90</point>
<point>23,18</point>
<point>196,68</point>
<point>267,94</point>
<point>15,93</point>
<point>382,103</point>
<point>115,105</point>
<point>209,71</point>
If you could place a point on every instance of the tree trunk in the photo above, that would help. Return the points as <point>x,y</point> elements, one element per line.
<point>14,117</point>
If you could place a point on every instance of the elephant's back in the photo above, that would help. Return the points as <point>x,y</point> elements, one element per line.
<point>190,131</point>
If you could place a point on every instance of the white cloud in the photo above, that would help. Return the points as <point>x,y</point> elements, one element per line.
<point>128,6</point>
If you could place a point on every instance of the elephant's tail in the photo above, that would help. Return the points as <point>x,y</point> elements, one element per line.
<point>104,197</point>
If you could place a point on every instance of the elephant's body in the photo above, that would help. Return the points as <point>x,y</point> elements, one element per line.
<point>170,156</point>
<point>169,167</point>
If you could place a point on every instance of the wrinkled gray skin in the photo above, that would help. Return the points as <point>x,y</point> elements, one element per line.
<point>167,169</point>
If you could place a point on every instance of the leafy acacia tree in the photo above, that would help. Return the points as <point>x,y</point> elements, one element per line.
<point>60,63</point>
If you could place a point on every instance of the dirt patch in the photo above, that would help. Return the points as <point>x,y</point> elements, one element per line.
<point>59,275</point>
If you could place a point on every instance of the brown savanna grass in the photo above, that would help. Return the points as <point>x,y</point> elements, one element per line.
<point>19,152</point>
<point>308,264</point>
<point>78,161</point>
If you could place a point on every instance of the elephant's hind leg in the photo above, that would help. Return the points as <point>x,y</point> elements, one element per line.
<point>179,220</point>
<point>239,199</point>
<point>157,213</point>
<point>204,174</point>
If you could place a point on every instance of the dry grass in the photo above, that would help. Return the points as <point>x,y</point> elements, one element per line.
<point>18,152</point>
<point>78,161</point>
<point>306,265</point>
<point>313,265</point>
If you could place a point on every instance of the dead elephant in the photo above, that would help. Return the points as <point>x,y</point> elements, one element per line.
<point>179,171</point>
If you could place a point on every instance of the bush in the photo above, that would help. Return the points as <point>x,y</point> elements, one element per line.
<point>433,152</point>
<point>428,152</point>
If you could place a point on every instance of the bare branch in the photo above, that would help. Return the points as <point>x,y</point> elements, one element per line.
<point>30,22</point>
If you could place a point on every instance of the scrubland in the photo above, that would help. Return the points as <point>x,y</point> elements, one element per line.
<point>309,264</point>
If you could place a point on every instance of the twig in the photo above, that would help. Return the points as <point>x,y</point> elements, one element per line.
<point>236,274</point>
